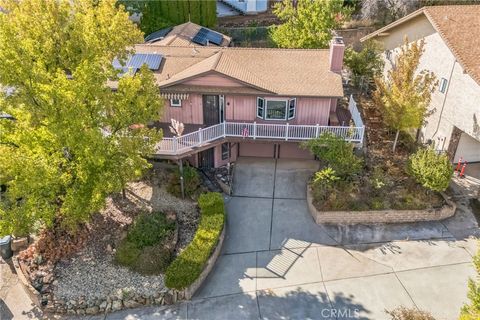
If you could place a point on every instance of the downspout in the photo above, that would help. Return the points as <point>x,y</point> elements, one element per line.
<point>445,99</point>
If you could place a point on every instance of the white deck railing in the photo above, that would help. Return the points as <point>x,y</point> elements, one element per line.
<point>356,117</point>
<point>253,130</point>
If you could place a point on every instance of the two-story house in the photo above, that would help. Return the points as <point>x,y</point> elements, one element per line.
<point>258,102</point>
<point>452,53</point>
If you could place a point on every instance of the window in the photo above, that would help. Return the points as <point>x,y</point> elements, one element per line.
<point>291,108</point>
<point>273,109</point>
<point>276,110</point>
<point>260,107</point>
<point>225,150</point>
<point>443,85</point>
<point>175,103</point>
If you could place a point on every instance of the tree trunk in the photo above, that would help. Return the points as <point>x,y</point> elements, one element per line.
<point>124,194</point>
<point>396,140</point>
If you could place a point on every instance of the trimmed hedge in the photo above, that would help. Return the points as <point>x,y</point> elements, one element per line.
<point>188,266</point>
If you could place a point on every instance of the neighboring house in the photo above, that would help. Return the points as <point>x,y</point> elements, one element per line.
<point>188,34</point>
<point>248,6</point>
<point>247,101</point>
<point>452,53</point>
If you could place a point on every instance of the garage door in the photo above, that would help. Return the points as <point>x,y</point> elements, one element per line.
<point>257,149</point>
<point>292,150</point>
<point>468,148</point>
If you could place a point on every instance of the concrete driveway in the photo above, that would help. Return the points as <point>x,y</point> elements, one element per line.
<point>278,264</point>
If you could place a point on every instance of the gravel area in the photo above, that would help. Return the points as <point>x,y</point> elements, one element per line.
<point>93,273</point>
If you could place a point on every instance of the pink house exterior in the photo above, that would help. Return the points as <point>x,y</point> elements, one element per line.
<point>249,102</point>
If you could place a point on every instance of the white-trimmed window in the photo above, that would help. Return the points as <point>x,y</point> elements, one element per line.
<point>443,85</point>
<point>260,107</point>
<point>276,109</point>
<point>225,150</point>
<point>291,108</point>
<point>175,103</point>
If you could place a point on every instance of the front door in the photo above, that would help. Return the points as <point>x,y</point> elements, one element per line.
<point>211,110</point>
<point>205,159</point>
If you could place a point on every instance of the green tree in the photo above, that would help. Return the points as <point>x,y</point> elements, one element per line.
<point>404,95</point>
<point>309,24</point>
<point>471,311</point>
<point>431,170</point>
<point>72,142</point>
<point>365,64</point>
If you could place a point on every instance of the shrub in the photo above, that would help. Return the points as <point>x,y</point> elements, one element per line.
<point>127,254</point>
<point>365,64</point>
<point>149,229</point>
<point>154,259</point>
<point>336,153</point>
<point>431,170</point>
<point>191,181</point>
<point>402,313</point>
<point>471,311</point>
<point>186,268</point>
<point>144,249</point>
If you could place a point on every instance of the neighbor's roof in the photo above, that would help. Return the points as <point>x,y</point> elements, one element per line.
<point>181,35</point>
<point>300,72</point>
<point>457,25</point>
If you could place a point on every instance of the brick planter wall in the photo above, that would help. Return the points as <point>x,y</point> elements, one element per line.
<point>380,216</point>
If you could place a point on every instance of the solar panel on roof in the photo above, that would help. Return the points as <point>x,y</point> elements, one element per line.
<point>136,61</point>
<point>205,36</point>
<point>158,35</point>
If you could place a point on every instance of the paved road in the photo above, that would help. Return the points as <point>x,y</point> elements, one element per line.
<point>278,264</point>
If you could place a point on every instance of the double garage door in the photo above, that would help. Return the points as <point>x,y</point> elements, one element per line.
<point>283,150</point>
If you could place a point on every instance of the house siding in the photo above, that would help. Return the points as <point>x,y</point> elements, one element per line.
<point>460,105</point>
<point>190,112</point>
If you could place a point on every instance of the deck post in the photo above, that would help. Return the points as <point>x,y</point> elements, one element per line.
<point>317,130</point>
<point>200,139</point>
<point>182,186</point>
<point>254,130</point>
<point>175,144</point>
<point>224,129</point>
<point>286,132</point>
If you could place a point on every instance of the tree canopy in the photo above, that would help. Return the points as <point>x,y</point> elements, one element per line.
<point>404,95</point>
<point>307,23</point>
<point>72,141</point>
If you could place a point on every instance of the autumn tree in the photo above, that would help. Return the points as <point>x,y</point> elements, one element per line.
<point>404,95</point>
<point>471,311</point>
<point>72,141</point>
<point>307,23</point>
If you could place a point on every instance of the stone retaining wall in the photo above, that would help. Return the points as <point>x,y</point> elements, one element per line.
<point>118,301</point>
<point>380,216</point>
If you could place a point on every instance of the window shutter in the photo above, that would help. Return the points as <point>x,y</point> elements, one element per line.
<point>260,107</point>
<point>291,108</point>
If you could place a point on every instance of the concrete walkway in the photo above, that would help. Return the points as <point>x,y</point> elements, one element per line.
<point>278,264</point>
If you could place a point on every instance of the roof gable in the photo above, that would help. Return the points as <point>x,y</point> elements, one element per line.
<point>455,25</point>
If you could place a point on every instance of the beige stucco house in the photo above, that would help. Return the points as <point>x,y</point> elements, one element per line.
<point>452,53</point>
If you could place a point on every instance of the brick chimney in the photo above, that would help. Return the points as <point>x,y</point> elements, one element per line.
<point>337,49</point>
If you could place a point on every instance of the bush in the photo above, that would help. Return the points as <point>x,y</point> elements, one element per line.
<point>403,313</point>
<point>149,229</point>
<point>365,64</point>
<point>431,170</point>
<point>186,268</point>
<point>144,249</point>
<point>191,181</point>
<point>336,153</point>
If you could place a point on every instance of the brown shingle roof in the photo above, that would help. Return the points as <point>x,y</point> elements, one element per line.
<point>300,72</point>
<point>457,25</point>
